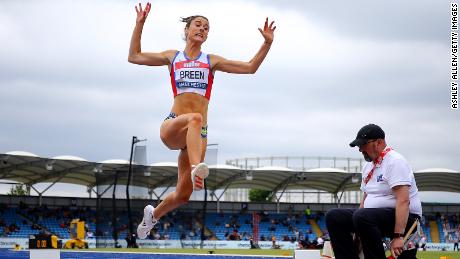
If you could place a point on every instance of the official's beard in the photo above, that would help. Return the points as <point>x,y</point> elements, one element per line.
<point>367,157</point>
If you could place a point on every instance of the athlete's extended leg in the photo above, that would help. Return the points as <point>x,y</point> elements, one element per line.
<point>183,188</point>
<point>173,200</point>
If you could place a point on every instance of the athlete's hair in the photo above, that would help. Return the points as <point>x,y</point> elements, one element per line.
<point>189,19</point>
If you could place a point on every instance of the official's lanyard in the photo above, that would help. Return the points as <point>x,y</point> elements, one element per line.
<point>377,163</point>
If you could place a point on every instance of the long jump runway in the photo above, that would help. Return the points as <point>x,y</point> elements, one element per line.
<point>10,254</point>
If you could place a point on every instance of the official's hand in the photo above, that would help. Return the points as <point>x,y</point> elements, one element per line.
<point>142,14</point>
<point>397,245</point>
<point>268,31</point>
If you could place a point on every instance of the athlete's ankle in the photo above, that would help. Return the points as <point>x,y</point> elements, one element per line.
<point>194,165</point>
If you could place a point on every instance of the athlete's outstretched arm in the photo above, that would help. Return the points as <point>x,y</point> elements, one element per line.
<point>136,56</point>
<point>240,67</point>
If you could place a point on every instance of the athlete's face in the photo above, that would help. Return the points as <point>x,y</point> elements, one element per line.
<point>198,30</point>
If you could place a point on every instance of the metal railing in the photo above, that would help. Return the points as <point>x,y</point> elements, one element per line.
<point>299,163</point>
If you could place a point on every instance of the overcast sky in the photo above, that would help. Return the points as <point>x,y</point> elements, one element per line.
<point>67,88</point>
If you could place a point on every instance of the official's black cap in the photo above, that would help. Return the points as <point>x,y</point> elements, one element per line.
<point>366,133</point>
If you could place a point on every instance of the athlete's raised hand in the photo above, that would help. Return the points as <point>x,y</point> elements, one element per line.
<point>142,14</point>
<point>268,31</point>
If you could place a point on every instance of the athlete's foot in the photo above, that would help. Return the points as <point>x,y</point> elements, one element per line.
<point>147,223</point>
<point>199,173</point>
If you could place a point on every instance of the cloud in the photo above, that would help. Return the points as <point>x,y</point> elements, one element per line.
<point>404,21</point>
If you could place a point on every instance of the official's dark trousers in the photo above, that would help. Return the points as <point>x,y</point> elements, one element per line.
<point>371,225</point>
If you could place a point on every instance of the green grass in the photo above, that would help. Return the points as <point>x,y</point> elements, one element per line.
<point>437,255</point>
<point>275,252</point>
<point>203,251</point>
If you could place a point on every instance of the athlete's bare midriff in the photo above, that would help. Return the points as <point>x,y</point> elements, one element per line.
<point>191,103</point>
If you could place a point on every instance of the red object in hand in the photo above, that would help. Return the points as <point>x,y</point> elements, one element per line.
<point>390,257</point>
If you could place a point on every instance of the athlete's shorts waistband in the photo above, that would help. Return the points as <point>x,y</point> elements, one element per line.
<point>204,129</point>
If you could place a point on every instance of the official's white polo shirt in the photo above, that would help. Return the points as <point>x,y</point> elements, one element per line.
<point>393,171</point>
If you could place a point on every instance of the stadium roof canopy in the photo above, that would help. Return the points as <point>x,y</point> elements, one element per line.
<point>30,169</point>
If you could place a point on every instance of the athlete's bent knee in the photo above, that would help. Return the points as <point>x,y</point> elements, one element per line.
<point>195,118</point>
<point>163,136</point>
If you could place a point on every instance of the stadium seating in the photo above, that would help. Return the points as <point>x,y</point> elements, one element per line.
<point>183,224</point>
